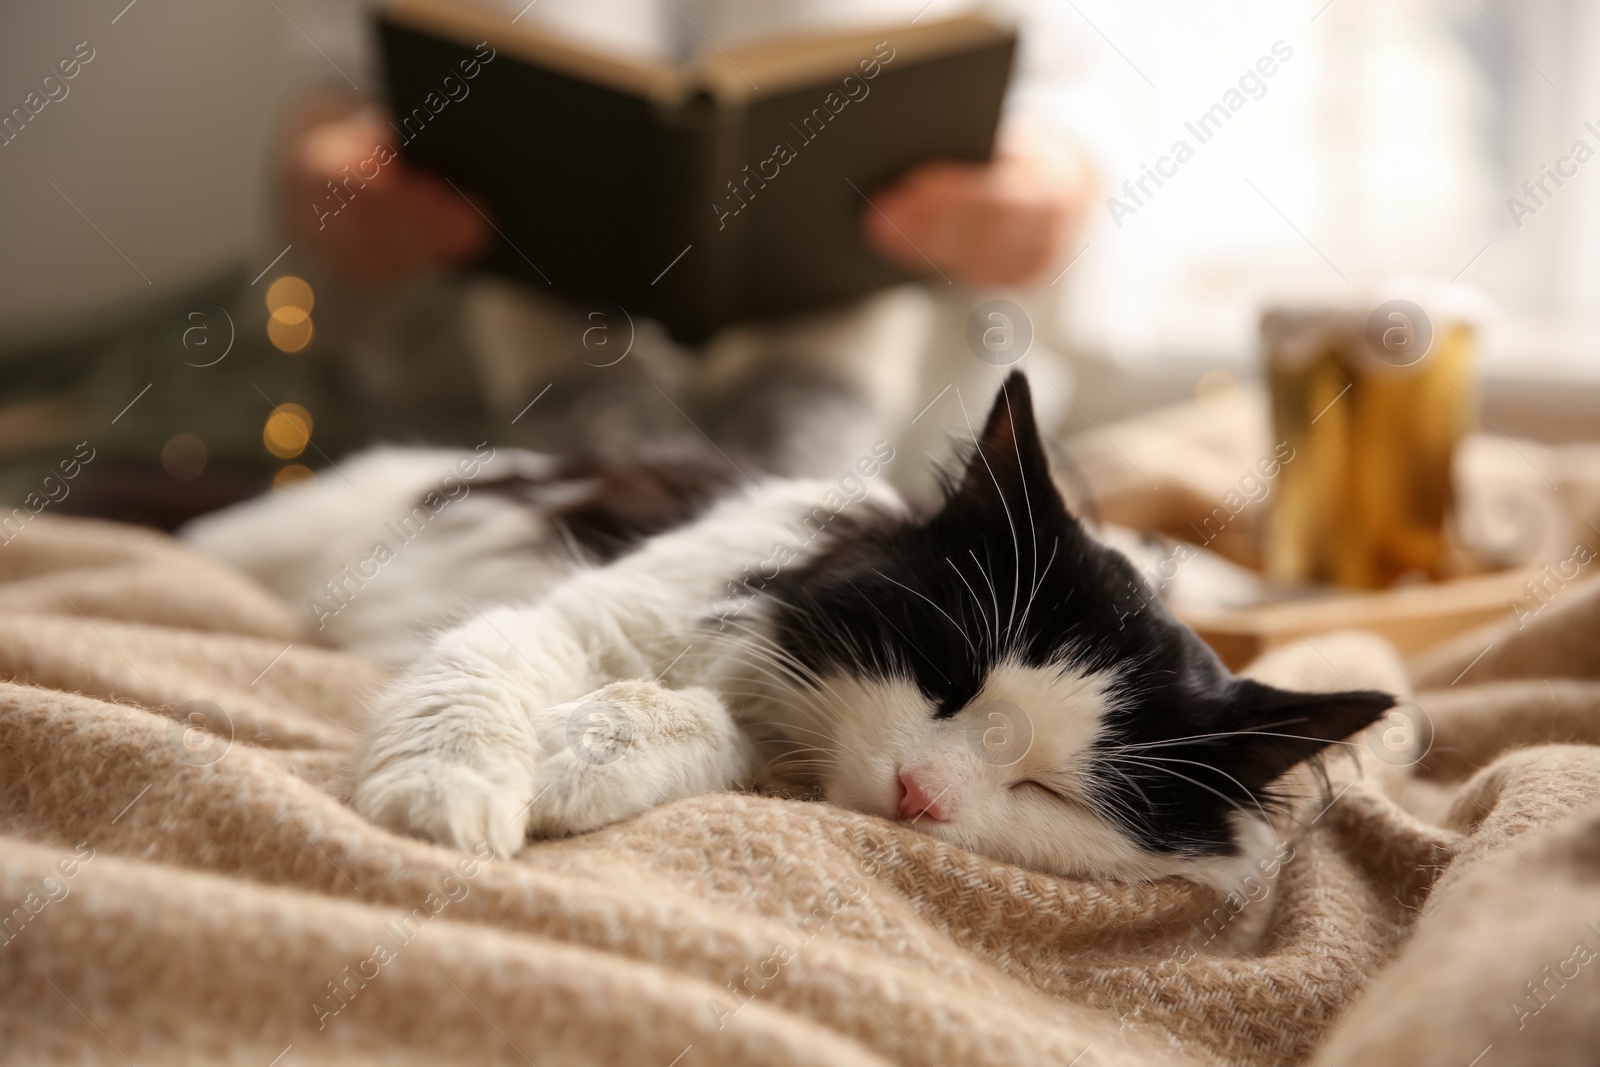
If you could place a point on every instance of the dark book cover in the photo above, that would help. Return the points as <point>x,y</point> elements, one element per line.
<point>727,191</point>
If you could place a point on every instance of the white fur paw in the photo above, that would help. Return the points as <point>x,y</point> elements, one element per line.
<point>450,803</point>
<point>628,747</point>
<point>448,753</point>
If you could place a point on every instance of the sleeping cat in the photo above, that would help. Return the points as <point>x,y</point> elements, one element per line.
<point>582,643</point>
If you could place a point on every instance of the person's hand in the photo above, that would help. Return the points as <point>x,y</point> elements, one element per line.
<point>999,223</point>
<point>382,221</point>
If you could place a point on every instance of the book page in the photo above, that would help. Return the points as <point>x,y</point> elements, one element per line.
<point>785,61</point>
<point>469,23</point>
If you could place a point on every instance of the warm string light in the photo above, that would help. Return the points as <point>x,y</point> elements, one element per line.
<point>184,456</point>
<point>289,328</point>
<point>288,431</point>
<point>289,300</point>
<point>291,474</point>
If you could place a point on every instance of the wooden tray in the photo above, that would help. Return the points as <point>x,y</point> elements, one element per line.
<point>1412,618</point>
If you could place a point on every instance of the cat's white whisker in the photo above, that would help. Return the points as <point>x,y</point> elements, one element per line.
<point>1039,582</point>
<point>982,614</point>
<point>777,659</point>
<point>1016,546</point>
<point>1260,810</point>
<point>961,630</point>
<point>994,597</point>
<point>1168,742</point>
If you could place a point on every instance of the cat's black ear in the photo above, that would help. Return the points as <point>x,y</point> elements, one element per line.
<point>1009,463</point>
<point>1278,728</point>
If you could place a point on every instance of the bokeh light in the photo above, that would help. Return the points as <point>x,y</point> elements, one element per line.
<point>184,456</point>
<point>292,474</point>
<point>290,300</point>
<point>289,337</point>
<point>288,431</point>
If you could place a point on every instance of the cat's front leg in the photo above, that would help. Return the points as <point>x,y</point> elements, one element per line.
<point>479,742</point>
<point>628,747</point>
<point>449,751</point>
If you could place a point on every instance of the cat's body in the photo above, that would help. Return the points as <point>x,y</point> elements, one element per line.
<point>630,636</point>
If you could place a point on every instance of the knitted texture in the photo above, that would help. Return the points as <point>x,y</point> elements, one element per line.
<point>176,895</point>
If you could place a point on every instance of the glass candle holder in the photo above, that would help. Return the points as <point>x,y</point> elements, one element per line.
<point>1373,398</point>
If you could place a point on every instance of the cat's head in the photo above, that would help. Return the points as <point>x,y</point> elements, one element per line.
<point>996,676</point>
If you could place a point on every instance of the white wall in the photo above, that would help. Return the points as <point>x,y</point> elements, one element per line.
<point>159,141</point>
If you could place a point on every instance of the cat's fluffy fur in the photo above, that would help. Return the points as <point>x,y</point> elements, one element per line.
<point>977,671</point>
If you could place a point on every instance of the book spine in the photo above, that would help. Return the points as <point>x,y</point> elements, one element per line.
<point>700,292</point>
<point>677,290</point>
<point>726,242</point>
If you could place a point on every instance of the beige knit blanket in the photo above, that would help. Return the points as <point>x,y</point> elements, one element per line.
<point>180,882</point>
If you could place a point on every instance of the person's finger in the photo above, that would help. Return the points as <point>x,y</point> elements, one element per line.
<point>455,226</point>
<point>911,215</point>
<point>375,219</point>
<point>1005,228</point>
<point>403,231</point>
<point>354,152</point>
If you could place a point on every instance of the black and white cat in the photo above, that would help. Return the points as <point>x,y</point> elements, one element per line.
<point>581,643</point>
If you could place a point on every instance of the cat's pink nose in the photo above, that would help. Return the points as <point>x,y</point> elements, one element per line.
<point>915,802</point>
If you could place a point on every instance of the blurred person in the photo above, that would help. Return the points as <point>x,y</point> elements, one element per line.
<point>799,396</point>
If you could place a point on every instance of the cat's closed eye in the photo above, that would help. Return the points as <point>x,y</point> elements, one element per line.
<point>1031,786</point>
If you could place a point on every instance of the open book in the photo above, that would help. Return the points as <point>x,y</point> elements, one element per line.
<point>726,190</point>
